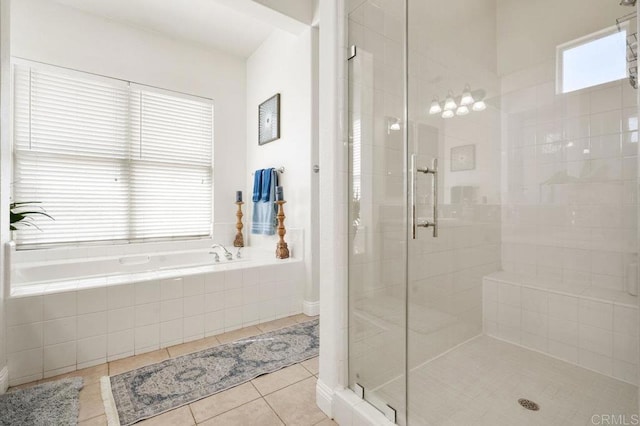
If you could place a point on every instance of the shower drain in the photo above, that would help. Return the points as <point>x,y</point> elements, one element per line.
<point>529,405</point>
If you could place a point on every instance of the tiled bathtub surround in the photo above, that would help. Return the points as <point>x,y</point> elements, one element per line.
<point>56,333</point>
<point>601,335</point>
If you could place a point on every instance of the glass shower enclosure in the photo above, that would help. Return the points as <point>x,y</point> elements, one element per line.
<point>493,210</point>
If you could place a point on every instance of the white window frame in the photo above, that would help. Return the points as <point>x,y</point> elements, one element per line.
<point>582,41</point>
<point>73,73</point>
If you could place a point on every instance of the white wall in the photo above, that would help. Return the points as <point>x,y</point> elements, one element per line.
<point>48,32</point>
<point>283,64</point>
<point>5,163</point>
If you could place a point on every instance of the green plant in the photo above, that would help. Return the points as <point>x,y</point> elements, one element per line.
<point>24,213</point>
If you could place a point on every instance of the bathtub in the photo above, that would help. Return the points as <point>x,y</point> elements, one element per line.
<point>50,276</point>
<point>68,315</point>
<point>594,328</point>
<point>65,270</point>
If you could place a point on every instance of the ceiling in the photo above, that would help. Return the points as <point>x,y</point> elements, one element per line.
<point>202,21</point>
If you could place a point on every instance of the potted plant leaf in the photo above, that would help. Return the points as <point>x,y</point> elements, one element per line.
<point>23,214</point>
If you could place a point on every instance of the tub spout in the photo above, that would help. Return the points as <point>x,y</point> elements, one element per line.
<point>227,253</point>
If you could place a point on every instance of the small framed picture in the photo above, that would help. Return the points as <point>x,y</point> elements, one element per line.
<point>269,120</point>
<point>463,158</point>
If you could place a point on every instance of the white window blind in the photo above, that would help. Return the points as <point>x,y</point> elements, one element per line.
<point>110,160</point>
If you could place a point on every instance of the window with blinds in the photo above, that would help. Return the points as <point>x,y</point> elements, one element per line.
<point>110,160</point>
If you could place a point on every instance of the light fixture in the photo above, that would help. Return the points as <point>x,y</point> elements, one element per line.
<point>435,107</point>
<point>460,105</point>
<point>450,103</point>
<point>393,124</point>
<point>462,110</point>
<point>466,99</point>
<point>479,106</point>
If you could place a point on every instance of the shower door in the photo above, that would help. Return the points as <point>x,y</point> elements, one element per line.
<point>454,147</point>
<point>479,147</point>
<point>378,207</point>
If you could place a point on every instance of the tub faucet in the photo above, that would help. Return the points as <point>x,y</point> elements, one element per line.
<point>227,253</point>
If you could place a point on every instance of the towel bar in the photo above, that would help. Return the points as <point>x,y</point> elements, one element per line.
<point>279,170</point>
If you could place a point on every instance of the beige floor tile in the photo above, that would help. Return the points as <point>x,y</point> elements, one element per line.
<point>242,333</point>
<point>224,401</point>
<point>190,347</point>
<point>95,421</point>
<point>90,375</point>
<point>277,324</point>
<point>280,379</point>
<point>179,417</point>
<point>91,404</point>
<point>303,318</point>
<point>255,412</point>
<point>327,422</point>
<point>311,365</point>
<point>133,362</point>
<point>296,404</point>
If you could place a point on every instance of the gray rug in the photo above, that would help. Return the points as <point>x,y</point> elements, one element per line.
<point>148,391</point>
<point>51,403</point>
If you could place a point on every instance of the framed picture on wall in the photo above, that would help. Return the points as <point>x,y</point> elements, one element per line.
<point>463,158</point>
<point>269,120</point>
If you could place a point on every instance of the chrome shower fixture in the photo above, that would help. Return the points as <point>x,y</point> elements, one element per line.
<point>627,2</point>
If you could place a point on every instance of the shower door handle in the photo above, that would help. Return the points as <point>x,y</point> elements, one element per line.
<point>433,170</point>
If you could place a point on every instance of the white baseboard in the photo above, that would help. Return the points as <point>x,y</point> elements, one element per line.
<point>311,309</point>
<point>4,379</point>
<point>324,398</point>
<point>348,408</point>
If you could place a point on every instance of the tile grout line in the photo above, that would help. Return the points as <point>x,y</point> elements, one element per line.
<point>274,410</point>
<point>284,387</point>
<point>230,409</point>
<point>193,416</point>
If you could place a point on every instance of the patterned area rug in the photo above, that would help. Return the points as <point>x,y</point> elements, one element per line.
<point>51,403</point>
<point>148,391</point>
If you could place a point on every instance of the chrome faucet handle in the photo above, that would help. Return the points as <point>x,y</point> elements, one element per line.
<point>216,257</point>
<point>228,255</point>
<point>239,253</point>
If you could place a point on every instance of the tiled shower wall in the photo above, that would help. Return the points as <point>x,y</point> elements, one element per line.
<point>569,213</point>
<point>57,333</point>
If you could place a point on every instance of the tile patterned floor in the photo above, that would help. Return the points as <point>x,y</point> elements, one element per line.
<point>285,397</point>
<point>480,382</point>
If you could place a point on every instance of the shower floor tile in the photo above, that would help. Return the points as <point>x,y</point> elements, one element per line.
<point>480,382</point>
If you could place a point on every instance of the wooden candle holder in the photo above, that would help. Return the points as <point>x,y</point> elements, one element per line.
<point>282,250</point>
<point>239,241</point>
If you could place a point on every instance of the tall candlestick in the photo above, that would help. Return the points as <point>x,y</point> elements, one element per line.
<point>282,249</point>
<point>239,241</point>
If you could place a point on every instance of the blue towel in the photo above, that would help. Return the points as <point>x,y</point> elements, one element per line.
<point>257,185</point>
<point>264,221</point>
<point>266,184</point>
